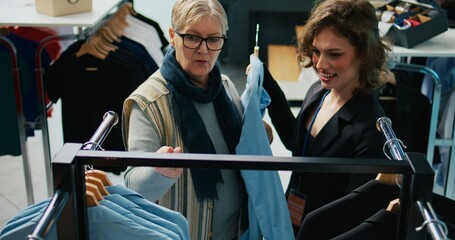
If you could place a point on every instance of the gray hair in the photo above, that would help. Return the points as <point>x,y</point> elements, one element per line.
<point>188,12</point>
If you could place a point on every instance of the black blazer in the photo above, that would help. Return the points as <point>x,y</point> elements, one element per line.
<point>347,212</point>
<point>381,226</point>
<point>362,212</point>
<point>350,133</point>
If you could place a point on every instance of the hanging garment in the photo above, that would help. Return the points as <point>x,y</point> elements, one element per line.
<point>410,112</point>
<point>381,226</point>
<point>147,35</point>
<point>361,215</point>
<point>103,223</point>
<point>157,223</point>
<point>268,214</point>
<point>122,215</point>
<point>444,68</point>
<point>146,61</point>
<point>37,34</point>
<point>14,231</point>
<point>25,215</point>
<point>347,212</point>
<point>9,139</point>
<point>26,51</point>
<point>88,87</point>
<point>172,216</point>
<point>158,232</point>
<point>162,37</point>
<point>445,130</point>
<point>52,48</point>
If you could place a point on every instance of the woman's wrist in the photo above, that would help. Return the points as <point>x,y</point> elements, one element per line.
<point>169,172</point>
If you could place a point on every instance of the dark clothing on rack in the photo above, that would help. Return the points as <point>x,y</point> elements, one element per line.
<point>409,110</point>
<point>37,34</point>
<point>362,215</point>
<point>381,226</point>
<point>26,50</point>
<point>9,140</point>
<point>88,88</point>
<point>350,133</point>
<point>145,61</point>
<point>347,212</point>
<point>445,209</point>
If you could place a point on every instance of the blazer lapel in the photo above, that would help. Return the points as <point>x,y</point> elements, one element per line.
<point>314,94</point>
<point>333,128</point>
<point>325,137</point>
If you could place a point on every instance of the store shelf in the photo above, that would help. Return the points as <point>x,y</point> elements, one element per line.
<point>19,13</point>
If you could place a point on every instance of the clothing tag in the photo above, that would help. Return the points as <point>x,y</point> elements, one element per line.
<point>296,206</point>
<point>91,69</point>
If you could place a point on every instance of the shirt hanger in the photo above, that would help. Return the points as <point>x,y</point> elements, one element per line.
<point>94,189</point>
<point>387,178</point>
<point>100,175</point>
<point>89,48</point>
<point>394,206</point>
<point>99,184</point>
<point>391,179</point>
<point>90,199</point>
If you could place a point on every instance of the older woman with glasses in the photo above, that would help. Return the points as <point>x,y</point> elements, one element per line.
<point>189,106</point>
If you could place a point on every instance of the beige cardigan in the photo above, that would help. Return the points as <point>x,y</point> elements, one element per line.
<point>152,98</point>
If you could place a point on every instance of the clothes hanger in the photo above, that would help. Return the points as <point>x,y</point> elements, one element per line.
<point>102,44</point>
<point>114,27</point>
<point>387,178</point>
<point>105,43</point>
<point>389,77</point>
<point>108,34</point>
<point>100,175</point>
<point>394,206</point>
<point>391,179</point>
<point>128,8</point>
<point>89,48</point>
<point>118,20</point>
<point>97,46</point>
<point>94,189</point>
<point>99,184</point>
<point>90,199</point>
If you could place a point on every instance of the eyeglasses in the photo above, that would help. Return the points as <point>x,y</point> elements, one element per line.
<point>194,41</point>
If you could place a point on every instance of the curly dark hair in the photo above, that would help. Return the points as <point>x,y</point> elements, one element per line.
<point>356,21</point>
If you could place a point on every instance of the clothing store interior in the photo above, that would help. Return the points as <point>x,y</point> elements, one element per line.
<point>65,76</point>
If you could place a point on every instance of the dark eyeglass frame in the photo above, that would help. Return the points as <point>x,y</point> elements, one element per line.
<point>202,40</point>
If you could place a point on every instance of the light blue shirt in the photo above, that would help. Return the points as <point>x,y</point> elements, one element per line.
<point>157,223</point>
<point>103,224</point>
<point>172,216</point>
<point>20,231</point>
<point>267,208</point>
<point>24,215</point>
<point>153,228</point>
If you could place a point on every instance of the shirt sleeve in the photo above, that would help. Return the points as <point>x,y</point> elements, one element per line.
<point>142,137</point>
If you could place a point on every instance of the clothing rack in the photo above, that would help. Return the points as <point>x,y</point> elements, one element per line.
<point>436,228</point>
<point>433,140</point>
<point>41,122</point>
<point>69,166</point>
<point>29,17</point>
<point>435,103</point>
<point>20,118</point>
<point>60,197</point>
